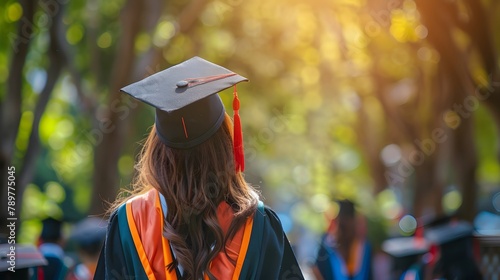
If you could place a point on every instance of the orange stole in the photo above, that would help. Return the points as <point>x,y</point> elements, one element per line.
<point>145,219</point>
<point>355,259</point>
<point>222,267</point>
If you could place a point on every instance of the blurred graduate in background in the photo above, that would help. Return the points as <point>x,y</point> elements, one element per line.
<point>441,249</point>
<point>88,237</point>
<point>50,244</point>
<point>455,258</point>
<point>344,252</point>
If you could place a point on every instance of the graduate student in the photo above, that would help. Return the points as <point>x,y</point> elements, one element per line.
<point>456,259</point>
<point>407,257</point>
<point>192,215</point>
<point>344,252</point>
<point>50,244</point>
<point>88,236</point>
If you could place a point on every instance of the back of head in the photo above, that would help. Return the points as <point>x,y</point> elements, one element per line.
<point>346,230</point>
<point>346,209</point>
<point>194,182</point>
<point>51,231</point>
<point>195,178</point>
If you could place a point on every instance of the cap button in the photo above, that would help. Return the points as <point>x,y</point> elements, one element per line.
<point>181,83</point>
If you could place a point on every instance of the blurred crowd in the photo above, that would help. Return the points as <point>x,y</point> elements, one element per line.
<point>56,257</point>
<point>439,248</point>
<point>444,248</point>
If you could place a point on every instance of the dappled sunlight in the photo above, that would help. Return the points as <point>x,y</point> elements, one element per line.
<point>391,104</point>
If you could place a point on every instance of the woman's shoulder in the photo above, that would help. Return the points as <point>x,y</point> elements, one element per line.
<point>113,216</point>
<point>143,198</point>
<point>148,195</point>
<point>269,245</point>
<point>265,210</point>
<point>267,215</point>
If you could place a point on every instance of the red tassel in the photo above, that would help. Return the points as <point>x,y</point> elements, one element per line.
<point>239,155</point>
<point>419,235</point>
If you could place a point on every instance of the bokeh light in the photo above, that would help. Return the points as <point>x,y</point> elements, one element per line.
<point>55,192</point>
<point>105,40</point>
<point>320,202</point>
<point>390,207</point>
<point>390,154</point>
<point>13,12</point>
<point>164,32</point>
<point>408,224</point>
<point>126,165</point>
<point>34,199</point>
<point>452,201</point>
<point>495,201</point>
<point>142,42</point>
<point>75,33</point>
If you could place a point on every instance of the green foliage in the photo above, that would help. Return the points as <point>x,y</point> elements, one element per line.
<point>314,71</point>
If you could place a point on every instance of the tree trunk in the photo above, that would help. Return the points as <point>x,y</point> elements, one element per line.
<point>428,190</point>
<point>480,31</point>
<point>109,130</point>
<point>53,73</point>
<point>466,166</point>
<point>11,107</point>
<point>107,152</point>
<point>440,17</point>
<point>371,147</point>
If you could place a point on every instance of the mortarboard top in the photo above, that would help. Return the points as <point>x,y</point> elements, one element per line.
<point>449,232</point>
<point>405,252</point>
<point>188,110</point>
<point>456,258</point>
<point>88,235</point>
<point>26,256</point>
<point>400,247</point>
<point>89,231</point>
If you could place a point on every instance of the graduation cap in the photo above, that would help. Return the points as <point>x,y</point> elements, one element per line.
<point>89,235</point>
<point>455,240</point>
<point>188,110</point>
<point>449,232</point>
<point>25,256</point>
<point>405,252</point>
<point>405,246</point>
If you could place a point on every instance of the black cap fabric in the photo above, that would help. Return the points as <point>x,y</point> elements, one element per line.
<point>188,111</point>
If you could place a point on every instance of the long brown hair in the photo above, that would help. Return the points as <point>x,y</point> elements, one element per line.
<point>194,182</point>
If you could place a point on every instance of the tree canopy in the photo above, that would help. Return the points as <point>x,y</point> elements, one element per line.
<point>393,104</point>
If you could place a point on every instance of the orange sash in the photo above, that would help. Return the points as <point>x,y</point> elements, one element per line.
<point>145,219</point>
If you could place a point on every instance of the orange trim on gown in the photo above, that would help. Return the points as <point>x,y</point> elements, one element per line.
<point>222,267</point>
<point>147,221</point>
<point>144,216</point>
